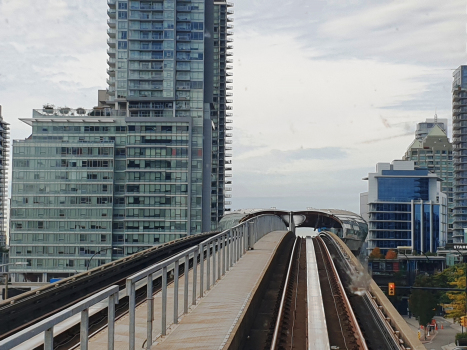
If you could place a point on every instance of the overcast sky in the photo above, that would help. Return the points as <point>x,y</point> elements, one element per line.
<point>323,90</point>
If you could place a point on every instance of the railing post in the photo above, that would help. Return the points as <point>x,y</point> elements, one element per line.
<point>150,312</point>
<point>251,233</point>
<point>236,246</point>
<point>195,275</point>
<point>224,242</point>
<point>214,261</point>
<point>237,256</point>
<point>164,301</point>
<point>185,286</point>
<point>84,329</point>
<point>49,339</point>
<point>132,315</point>
<point>111,322</point>
<point>201,271</point>
<point>229,249</point>
<point>208,267</point>
<point>219,255</point>
<point>176,270</point>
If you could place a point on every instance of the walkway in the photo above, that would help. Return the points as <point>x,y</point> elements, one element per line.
<point>209,323</point>
<point>215,318</point>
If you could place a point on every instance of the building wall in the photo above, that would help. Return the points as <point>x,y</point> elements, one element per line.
<point>434,152</point>
<point>459,136</point>
<point>105,185</point>
<point>4,157</point>
<point>405,208</point>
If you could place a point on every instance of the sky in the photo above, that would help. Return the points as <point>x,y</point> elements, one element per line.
<point>323,89</point>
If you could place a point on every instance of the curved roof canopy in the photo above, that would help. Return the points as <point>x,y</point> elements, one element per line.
<point>342,222</point>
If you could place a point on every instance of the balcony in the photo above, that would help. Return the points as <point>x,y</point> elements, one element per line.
<point>111,72</point>
<point>112,13</point>
<point>228,67</point>
<point>112,22</point>
<point>111,62</point>
<point>111,43</point>
<point>230,11</point>
<point>229,32</point>
<point>228,101</point>
<point>230,26</point>
<point>111,32</point>
<point>111,52</point>
<point>228,134</point>
<point>112,3</point>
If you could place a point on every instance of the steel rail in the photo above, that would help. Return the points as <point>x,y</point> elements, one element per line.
<point>284,292</point>
<point>354,323</point>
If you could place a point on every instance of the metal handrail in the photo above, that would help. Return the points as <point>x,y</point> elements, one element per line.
<point>48,324</point>
<point>226,248</point>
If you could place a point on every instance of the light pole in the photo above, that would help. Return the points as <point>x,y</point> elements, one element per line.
<point>6,275</point>
<point>102,250</point>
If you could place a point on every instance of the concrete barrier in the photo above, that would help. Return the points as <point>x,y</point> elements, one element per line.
<point>395,319</point>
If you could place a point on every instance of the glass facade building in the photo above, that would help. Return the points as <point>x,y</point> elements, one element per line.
<point>459,140</point>
<point>405,208</point>
<point>432,150</point>
<point>150,164</point>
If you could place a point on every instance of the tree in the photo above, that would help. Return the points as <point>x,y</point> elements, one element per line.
<point>376,254</point>
<point>457,280</point>
<point>391,254</point>
<point>423,303</point>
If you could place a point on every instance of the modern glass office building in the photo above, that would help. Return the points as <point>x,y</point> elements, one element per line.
<point>405,208</point>
<point>432,150</point>
<point>459,140</point>
<point>148,165</point>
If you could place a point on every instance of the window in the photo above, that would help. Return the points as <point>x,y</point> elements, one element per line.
<point>122,15</point>
<point>122,45</point>
<point>122,6</point>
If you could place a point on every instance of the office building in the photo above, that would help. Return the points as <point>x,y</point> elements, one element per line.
<point>459,140</point>
<point>405,208</point>
<point>149,164</point>
<point>432,150</point>
<point>4,157</point>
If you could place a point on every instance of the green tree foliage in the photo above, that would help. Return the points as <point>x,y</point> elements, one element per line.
<point>423,303</point>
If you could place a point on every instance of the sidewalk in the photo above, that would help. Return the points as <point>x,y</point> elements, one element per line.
<point>415,326</point>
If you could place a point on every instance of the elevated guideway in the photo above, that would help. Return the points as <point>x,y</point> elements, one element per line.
<point>245,287</point>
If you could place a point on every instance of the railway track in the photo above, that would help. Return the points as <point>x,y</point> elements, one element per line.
<point>29,308</point>
<point>290,330</point>
<point>375,332</point>
<point>343,329</point>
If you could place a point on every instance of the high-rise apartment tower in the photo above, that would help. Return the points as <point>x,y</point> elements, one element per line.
<point>459,140</point>
<point>4,157</point>
<point>149,164</point>
<point>432,150</point>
